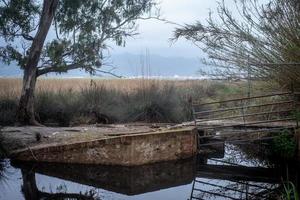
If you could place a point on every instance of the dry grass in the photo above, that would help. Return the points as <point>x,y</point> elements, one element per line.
<point>81,101</point>
<point>11,87</point>
<point>14,85</point>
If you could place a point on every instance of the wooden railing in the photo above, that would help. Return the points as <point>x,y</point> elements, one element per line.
<point>246,111</point>
<point>268,113</point>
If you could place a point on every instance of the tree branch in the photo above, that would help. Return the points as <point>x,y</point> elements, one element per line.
<point>110,73</point>
<point>50,69</point>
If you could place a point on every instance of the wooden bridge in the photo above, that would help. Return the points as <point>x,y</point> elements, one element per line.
<point>241,120</point>
<point>246,119</point>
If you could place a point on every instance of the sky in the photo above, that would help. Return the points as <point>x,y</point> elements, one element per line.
<point>155,35</point>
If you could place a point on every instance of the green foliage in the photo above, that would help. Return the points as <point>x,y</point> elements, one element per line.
<point>82,29</point>
<point>17,17</point>
<point>296,114</point>
<point>290,191</point>
<point>17,20</point>
<point>284,145</point>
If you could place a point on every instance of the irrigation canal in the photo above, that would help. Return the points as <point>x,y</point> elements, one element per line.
<point>237,172</point>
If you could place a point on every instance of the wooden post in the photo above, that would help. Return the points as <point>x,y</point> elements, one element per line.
<point>190,100</point>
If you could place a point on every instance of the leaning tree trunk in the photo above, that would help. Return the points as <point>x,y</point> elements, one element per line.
<point>26,105</point>
<point>25,113</point>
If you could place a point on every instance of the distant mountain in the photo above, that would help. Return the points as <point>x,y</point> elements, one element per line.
<point>154,65</point>
<point>131,65</point>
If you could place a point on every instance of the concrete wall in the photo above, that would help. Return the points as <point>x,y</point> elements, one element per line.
<point>126,150</point>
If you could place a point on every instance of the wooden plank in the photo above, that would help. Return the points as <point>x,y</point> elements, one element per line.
<point>245,124</point>
<point>236,141</point>
<point>243,107</point>
<point>245,132</point>
<point>243,98</point>
<point>247,115</point>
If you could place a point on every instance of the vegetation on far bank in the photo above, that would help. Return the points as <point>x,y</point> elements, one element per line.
<point>68,102</point>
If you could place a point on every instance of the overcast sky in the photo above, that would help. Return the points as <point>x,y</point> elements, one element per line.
<point>154,35</point>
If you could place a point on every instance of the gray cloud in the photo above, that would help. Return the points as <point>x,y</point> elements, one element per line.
<point>154,35</point>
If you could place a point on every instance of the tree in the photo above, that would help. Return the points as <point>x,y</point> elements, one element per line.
<point>261,38</point>
<point>82,30</point>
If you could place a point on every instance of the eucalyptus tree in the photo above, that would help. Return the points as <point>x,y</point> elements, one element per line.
<point>262,37</point>
<point>82,31</point>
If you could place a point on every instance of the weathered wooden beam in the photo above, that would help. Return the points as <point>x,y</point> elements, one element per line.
<point>246,115</point>
<point>244,124</point>
<point>243,107</point>
<point>195,103</point>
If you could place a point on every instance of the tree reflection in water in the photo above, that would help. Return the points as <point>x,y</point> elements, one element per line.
<point>4,173</point>
<point>31,191</point>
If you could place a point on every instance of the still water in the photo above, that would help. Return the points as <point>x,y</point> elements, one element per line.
<point>236,172</point>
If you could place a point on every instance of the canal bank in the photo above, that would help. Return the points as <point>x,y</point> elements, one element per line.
<point>113,145</point>
<point>240,172</point>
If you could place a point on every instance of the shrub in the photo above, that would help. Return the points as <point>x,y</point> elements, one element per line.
<point>101,104</point>
<point>8,110</point>
<point>56,107</point>
<point>290,191</point>
<point>156,104</point>
<point>284,145</point>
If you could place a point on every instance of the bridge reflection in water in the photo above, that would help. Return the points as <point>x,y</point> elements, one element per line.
<point>210,178</point>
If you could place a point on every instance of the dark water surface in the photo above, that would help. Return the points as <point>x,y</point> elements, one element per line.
<point>238,172</point>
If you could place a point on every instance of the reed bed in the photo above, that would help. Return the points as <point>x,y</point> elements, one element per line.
<point>12,86</point>
<point>70,102</point>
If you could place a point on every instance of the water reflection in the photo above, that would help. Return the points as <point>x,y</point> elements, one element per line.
<point>236,172</point>
<point>31,191</point>
<point>245,172</point>
<point>124,180</point>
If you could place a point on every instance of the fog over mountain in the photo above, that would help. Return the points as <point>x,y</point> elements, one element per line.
<point>131,65</point>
